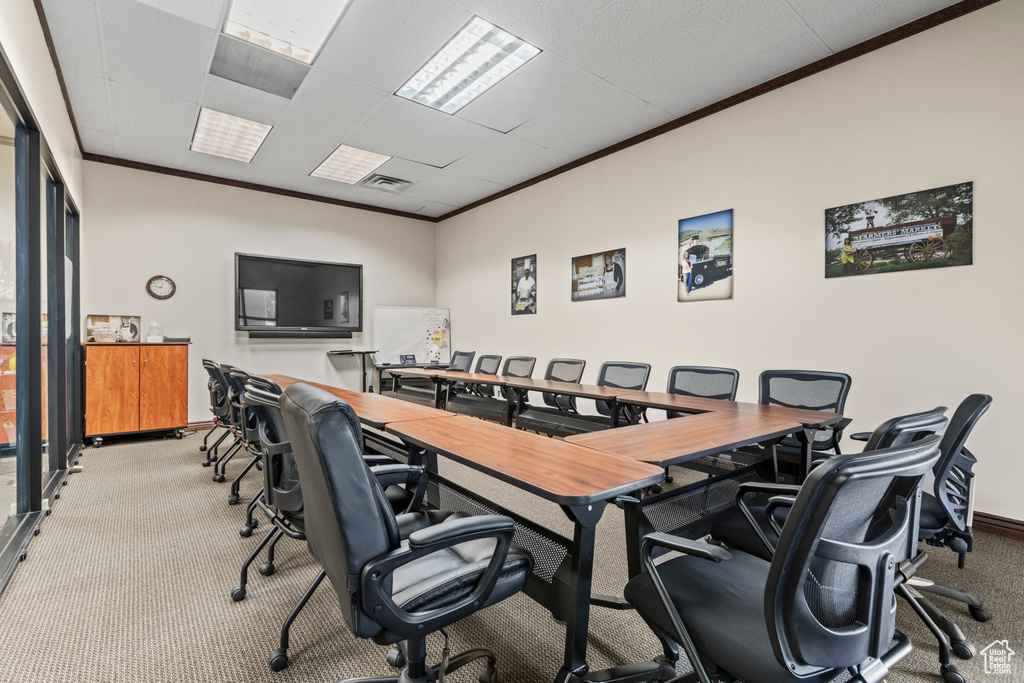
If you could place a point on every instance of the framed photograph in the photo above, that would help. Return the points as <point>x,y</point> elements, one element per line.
<point>599,276</point>
<point>705,257</point>
<point>8,323</point>
<point>113,328</point>
<point>524,285</point>
<point>926,229</point>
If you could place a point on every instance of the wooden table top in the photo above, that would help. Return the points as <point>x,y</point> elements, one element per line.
<point>373,410</point>
<point>564,388</point>
<point>561,472</point>
<point>473,377</point>
<point>413,372</point>
<point>698,404</point>
<point>672,442</point>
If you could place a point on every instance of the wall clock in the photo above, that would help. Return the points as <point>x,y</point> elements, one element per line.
<point>160,287</point>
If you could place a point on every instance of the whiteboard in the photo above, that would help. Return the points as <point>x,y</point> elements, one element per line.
<point>425,332</point>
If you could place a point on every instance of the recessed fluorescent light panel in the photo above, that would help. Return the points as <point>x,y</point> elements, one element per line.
<point>228,136</point>
<point>349,165</point>
<point>293,28</point>
<point>480,55</point>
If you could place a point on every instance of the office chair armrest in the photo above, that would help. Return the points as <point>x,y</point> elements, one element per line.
<point>861,436</point>
<point>704,551</point>
<point>765,487</point>
<point>376,585</point>
<point>441,535</point>
<point>774,503</point>
<point>842,424</point>
<point>374,459</point>
<point>781,491</point>
<point>396,474</point>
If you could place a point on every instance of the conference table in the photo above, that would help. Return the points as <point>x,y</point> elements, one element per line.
<point>579,474</point>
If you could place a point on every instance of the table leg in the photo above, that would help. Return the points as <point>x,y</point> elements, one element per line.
<point>581,576</point>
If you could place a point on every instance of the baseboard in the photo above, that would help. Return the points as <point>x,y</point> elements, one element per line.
<point>200,425</point>
<point>1001,526</point>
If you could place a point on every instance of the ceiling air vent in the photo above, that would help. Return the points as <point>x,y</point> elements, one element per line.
<point>383,182</point>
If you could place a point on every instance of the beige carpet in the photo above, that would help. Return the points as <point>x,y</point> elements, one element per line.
<point>130,581</point>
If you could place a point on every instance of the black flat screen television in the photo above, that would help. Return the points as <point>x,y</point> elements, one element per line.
<point>278,297</point>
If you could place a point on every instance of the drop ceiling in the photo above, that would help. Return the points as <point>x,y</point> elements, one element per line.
<point>138,71</point>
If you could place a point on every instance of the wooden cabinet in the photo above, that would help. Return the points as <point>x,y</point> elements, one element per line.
<point>135,388</point>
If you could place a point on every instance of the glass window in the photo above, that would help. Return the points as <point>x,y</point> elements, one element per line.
<point>8,304</point>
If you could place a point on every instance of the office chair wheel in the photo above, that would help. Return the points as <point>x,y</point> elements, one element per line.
<point>267,568</point>
<point>219,478</point>
<point>238,593</point>
<point>951,675</point>
<point>962,649</point>
<point>396,657</point>
<point>978,613</point>
<point>179,433</point>
<point>207,463</point>
<point>202,449</point>
<point>278,660</point>
<point>233,499</point>
<point>246,531</point>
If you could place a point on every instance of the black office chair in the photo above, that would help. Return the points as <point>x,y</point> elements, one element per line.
<point>559,370</point>
<point>705,382</point>
<point>946,519</point>
<point>421,390</point>
<point>249,427</point>
<point>220,409</point>
<point>563,422</point>
<point>748,527</point>
<point>238,417</point>
<point>485,365</point>
<point>392,590</point>
<point>810,390</point>
<point>823,604</point>
<point>481,401</point>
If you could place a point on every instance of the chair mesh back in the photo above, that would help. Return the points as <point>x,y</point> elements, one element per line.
<point>461,361</point>
<point>281,487</point>
<point>621,376</point>
<point>719,383</point>
<point>218,396</point>
<point>954,471</point>
<point>809,390</point>
<point>563,370</point>
<point>518,366</point>
<point>829,597</point>
<point>488,365</point>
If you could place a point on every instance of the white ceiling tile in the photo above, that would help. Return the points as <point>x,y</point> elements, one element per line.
<point>241,100</point>
<point>454,139</point>
<point>148,152</point>
<point>436,209</point>
<point>208,164</point>
<point>329,106</point>
<point>272,177</point>
<point>509,161</point>
<point>204,12</point>
<point>400,202</point>
<point>152,50</point>
<point>293,151</point>
<point>74,27</point>
<point>145,115</point>
<point>592,109</point>
<point>349,193</point>
<point>625,30</point>
<point>860,19</point>
<point>533,88</point>
<point>88,95</point>
<point>452,188</point>
<point>405,170</point>
<point>541,22</point>
<point>394,125</point>
<point>730,42</point>
<point>97,142</point>
<point>382,43</point>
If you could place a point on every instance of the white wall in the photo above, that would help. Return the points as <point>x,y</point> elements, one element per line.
<point>21,38</point>
<point>143,224</point>
<point>940,108</point>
